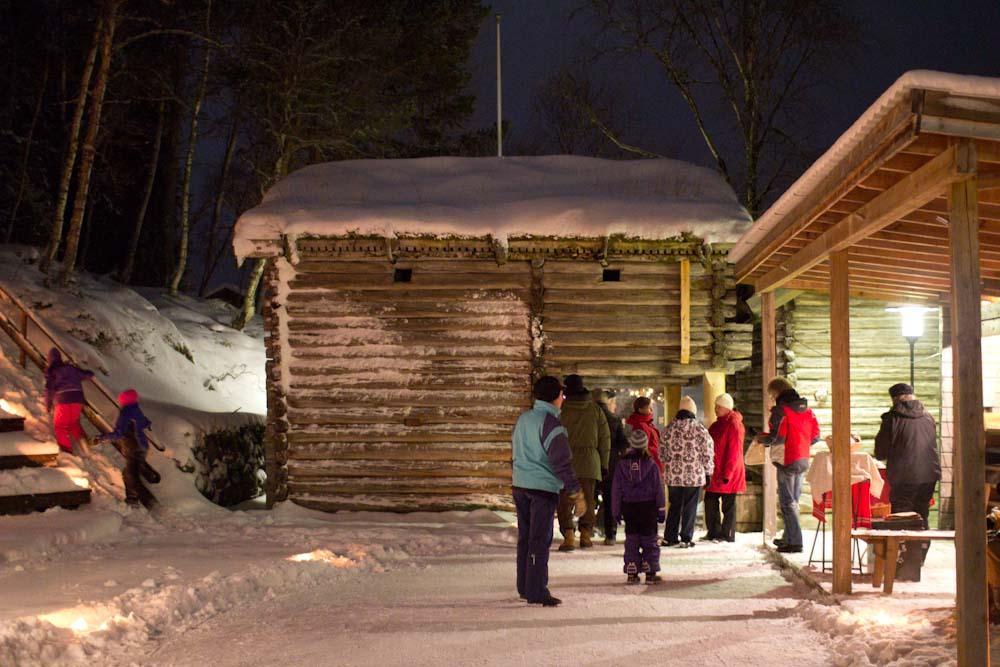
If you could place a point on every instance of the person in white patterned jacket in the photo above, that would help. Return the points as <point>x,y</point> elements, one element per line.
<point>688,455</point>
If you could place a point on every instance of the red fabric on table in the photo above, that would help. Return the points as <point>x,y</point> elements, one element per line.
<point>861,505</point>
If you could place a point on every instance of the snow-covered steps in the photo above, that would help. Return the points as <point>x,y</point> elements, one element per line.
<point>25,490</point>
<point>10,422</point>
<point>17,450</point>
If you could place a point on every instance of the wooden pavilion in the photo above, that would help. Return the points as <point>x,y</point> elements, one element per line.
<point>905,206</point>
<point>409,304</point>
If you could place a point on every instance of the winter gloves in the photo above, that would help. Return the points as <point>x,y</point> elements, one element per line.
<point>579,502</point>
<point>661,515</point>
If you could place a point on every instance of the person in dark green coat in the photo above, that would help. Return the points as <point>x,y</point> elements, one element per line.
<point>590,445</point>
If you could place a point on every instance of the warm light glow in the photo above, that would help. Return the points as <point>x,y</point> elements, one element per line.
<point>8,408</point>
<point>885,618</point>
<point>81,620</point>
<point>911,320</point>
<point>324,556</point>
<point>82,482</point>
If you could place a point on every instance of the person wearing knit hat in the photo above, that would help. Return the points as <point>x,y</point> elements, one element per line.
<point>688,454</point>
<point>590,441</point>
<point>638,498</point>
<point>907,442</point>
<point>728,474</point>
<point>637,439</point>
<point>130,432</point>
<point>725,401</point>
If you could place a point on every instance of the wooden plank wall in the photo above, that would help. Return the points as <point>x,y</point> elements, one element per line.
<point>880,357</point>
<point>402,395</point>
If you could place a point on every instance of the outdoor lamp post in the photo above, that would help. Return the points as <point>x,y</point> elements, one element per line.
<point>912,325</point>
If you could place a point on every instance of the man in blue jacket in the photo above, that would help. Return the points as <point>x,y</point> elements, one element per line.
<point>543,466</point>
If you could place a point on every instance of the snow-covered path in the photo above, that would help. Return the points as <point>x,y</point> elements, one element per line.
<point>721,604</point>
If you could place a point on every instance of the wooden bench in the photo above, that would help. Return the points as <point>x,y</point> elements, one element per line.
<point>886,546</point>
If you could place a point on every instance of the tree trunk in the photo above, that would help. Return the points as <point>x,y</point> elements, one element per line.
<point>211,260</point>
<point>250,298</point>
<point>72,147</point>
<point>89,145</point>
<point>185,221</point>
<point>133,247</point>
<point>22,181</point>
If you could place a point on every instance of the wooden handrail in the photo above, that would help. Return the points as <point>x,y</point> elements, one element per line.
<point>20,337</point>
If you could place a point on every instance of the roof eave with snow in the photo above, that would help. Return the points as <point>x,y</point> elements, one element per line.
<point>545,197</point>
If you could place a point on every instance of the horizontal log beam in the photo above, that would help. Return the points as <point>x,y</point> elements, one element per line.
<point>912,191</point>
<point>322,469</point>
<point>398,502</point>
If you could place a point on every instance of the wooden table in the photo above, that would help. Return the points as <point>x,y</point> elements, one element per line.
<point>886,546</point>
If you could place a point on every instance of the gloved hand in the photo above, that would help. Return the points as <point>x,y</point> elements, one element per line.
<point>579,503</point>
<point>661,516</point>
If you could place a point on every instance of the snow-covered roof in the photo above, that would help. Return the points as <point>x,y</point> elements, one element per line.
<point>560,195</point>
<point>954,84</point>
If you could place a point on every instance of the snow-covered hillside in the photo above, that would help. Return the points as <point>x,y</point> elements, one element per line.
<point>193,372</point>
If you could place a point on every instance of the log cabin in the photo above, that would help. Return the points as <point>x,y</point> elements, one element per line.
<point>409,304</point>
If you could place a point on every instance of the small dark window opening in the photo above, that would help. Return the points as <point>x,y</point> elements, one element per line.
<point>402,275</point>
<point>612,275</point>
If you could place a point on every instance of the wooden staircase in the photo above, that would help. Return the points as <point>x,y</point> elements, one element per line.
<point>31,479</point>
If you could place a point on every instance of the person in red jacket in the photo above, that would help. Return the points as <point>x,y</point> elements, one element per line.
<point>642,419</point>
<point>793,426</point>
<point>729,476</point>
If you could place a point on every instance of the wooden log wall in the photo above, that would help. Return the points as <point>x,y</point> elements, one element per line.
<point>402,395</point>
<point>627,333</point>
<point>399,392</point>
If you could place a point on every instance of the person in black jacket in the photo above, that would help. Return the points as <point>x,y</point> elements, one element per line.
<point>619,444</point>
<point>907,442</point>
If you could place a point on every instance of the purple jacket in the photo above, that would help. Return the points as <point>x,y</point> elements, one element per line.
<point>63,381</point>
<point>637,479</point>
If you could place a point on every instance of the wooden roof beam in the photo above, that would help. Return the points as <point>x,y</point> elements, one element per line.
<point>914,190</point>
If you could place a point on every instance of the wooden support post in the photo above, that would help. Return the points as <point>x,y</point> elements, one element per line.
<point>671,401</point>
<point>713,385</point>
<point>840,381</point>
<point>685,311</point>
<point>24,332</point>
<point>769,368</point>
<point>969,437</point>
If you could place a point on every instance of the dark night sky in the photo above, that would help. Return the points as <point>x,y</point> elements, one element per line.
<point>539,36</point>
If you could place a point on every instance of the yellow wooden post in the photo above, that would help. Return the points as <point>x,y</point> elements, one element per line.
<point>671,401</point>
<point>968,433</point>
<point>713,385</point>
<point>840,380</point>
<point>685,269</point>
<point>769,368</point>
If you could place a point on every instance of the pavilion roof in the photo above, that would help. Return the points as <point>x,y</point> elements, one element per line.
<point>880,192</point>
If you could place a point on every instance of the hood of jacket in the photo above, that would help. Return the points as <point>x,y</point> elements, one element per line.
<point>910,409</point>
<point>638,474</point>
<point>54,359</point>
<point>790,399</point>
<point>733,417</point>
<point>637,419</point>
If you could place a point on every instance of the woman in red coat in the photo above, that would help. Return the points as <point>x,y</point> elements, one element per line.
<point>729,476</point>
<point>641,419</point>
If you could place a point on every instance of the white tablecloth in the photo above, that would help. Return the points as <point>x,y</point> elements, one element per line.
<point>863,466</point>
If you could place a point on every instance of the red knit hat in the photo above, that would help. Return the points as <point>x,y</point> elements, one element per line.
<point>128,397</point>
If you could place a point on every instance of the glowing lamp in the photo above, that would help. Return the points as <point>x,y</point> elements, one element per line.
<point>912,328</point>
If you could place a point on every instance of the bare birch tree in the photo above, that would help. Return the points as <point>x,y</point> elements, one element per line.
<point>185,215</point>
<point>125,275</point>
<point>72,149</point>
<point>743,68</point>
<point>89,146</point>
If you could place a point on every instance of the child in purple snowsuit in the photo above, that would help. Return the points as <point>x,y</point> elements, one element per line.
<point>637,496</point>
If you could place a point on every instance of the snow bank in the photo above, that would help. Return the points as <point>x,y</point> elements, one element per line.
<point>32,535</point>
<point>556,195</point>
<point>193,372</point>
